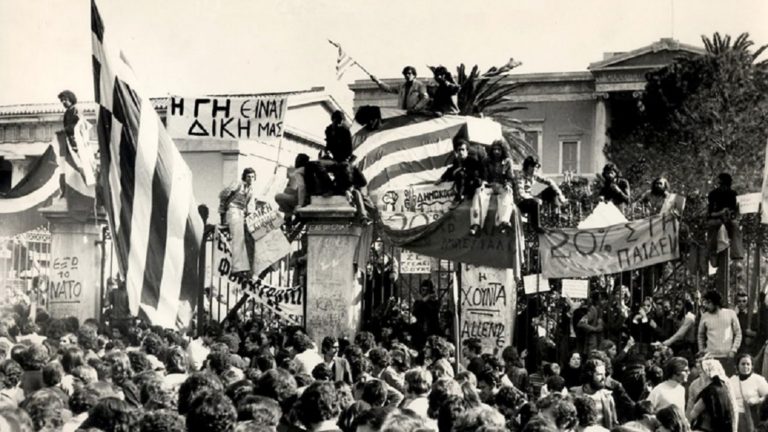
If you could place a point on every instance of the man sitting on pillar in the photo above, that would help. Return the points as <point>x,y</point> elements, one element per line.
<point>236,202</point>
<point>466,171</point>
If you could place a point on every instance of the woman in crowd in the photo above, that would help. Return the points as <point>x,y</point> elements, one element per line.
<point>750,389</point>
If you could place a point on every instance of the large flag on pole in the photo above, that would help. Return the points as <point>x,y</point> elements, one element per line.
<point>147,190</point>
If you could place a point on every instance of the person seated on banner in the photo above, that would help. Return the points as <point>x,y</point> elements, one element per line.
<point>444,94</point>
<point>466,171</point>
<point>412,95</point>
<point>615,188</point>
<point>723,220</point>
<point>530,204</point>
<point>236,202</point>
<point>295,193</point>
<point>498,181</point>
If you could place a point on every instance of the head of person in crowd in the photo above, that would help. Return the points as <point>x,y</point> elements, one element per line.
<point>319,404</point>
<point>676,369</point>
<point>712,301</point>
<point>211,411</point>
<point>683,306</point>
<point>403,420</point>
<point>441,390</point>
<point>194,385</point>
<point>654,375</point>
<point>366,341</point>
<point>349,415</point>
<point>67,98</point>
<point>673,419</point>
<point>742,301</point>
<point>508,401</point>
<point>329,347</point>
<point>373,419</point>
<point>594,374</point>
<point>279,385</point>
<point>744,365</point>
<point>488,384</point>
<point>375,393</point>
<point>259,409</point>
<point>418,381</point>
<point>46,409</point>
<point>161,421</point>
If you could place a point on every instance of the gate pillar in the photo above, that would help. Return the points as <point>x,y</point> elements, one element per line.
<point>333,304</point>
<point>74,288</point>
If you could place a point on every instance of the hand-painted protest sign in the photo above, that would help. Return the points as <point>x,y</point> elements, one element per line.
<point>231,118</point>
<point>415,206</point>
<point>288,302</point>
<point>413,263</point>
<point>613,249</point>
<point>535,283</point>
<point>749,203</point>
<point>270,243</point>
<point>575,288</point>
<point>488,299</point>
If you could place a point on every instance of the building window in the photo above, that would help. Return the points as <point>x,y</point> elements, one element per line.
<point>11,133</point>
<point>570,156</point>
<point>24,133</point>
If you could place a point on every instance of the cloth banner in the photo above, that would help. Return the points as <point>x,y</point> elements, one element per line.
<point>604,214</point>
<point>287,302</point>
<point>448,238</point>
<point>617,248</point>
<point>258,118</point>
<point>488,301</point>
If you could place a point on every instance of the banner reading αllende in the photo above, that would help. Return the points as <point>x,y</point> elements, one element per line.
<point>617,248</point>
<point>230,118</point>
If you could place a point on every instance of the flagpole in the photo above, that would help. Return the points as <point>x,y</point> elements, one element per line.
<point>355,61</point>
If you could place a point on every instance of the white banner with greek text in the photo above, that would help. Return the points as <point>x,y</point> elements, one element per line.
<point>592,252</point>
<point>229,118</point>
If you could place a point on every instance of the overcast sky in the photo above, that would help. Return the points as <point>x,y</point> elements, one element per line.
<point>191,47</point>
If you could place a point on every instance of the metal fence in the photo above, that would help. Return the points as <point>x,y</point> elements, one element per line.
<point>25,259</point>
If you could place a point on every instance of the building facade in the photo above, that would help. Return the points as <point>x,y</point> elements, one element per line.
<point>26,131</point>
<point>567,115</point>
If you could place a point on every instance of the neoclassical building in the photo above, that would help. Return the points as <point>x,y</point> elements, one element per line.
<point>568,114</point>
<point>27,130</point>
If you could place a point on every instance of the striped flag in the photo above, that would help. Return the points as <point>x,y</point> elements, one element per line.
<point>146,188</point>
<point>343,61</point>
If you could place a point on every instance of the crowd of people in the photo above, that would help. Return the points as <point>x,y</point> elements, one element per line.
<point>671,373</point>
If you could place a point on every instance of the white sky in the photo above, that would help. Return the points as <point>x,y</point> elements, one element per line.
<point>192,47</point>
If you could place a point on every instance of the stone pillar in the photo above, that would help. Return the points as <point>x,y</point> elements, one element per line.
<point>333,304</point>
<point>74,288</point>
<point>600,137</point>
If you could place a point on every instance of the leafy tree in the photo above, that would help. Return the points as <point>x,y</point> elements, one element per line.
<point>699,116</point>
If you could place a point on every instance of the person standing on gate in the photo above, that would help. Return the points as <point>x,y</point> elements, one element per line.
<point>412,95</point>
<point>236,202</point>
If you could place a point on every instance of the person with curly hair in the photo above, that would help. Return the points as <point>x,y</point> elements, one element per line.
<point>11,393</point>
<point>593,385</point>
<point>319,407</point>
<point>33,359</point>
<point>260,409</point>
<point>46,409</point>
<point>280,385</point>
<point>586,414</point>
<point>418,382</point>
<point>161,421</point>
<point>194,385</point>
<point>382,369</point>
<point>211,411</point>
<point>306,357</point>
<point>81,401</point>
<point>15,419</point>
<point>672,418</point>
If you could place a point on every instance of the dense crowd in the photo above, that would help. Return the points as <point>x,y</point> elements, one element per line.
<point>59,374</point>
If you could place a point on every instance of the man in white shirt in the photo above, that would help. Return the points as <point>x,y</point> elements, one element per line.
<point>306,357</point>
<point>671,391</point>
